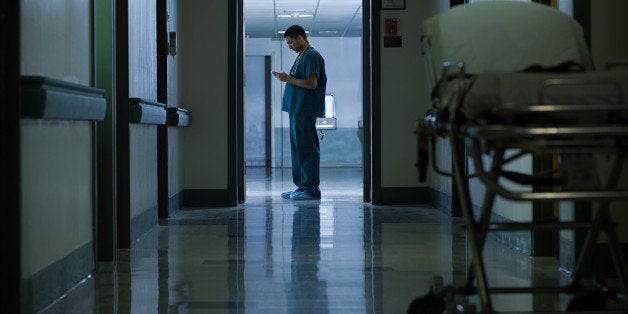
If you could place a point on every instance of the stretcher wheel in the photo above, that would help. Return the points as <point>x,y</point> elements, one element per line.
<point>428,304</point>
<point>593,301</point>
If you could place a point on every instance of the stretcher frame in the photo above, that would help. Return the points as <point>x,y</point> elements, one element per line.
<point>468,139</point>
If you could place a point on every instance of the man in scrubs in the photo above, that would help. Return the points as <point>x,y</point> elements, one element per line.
<point>304,101</point>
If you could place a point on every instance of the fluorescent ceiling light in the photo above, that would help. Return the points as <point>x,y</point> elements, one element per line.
<point>283,32</point>
<point>294,15</point>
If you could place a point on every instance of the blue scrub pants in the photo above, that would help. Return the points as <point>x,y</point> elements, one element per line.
<point>305,150</point>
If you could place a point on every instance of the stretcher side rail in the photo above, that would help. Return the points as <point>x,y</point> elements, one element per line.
<point>561,114</point>
<point>575,82</point>
<point>544,140</point>
<point>590,139</point>
<point>540,140</point>
<point>595,146</point>
<point>491,183</point>
<point>498,132</point>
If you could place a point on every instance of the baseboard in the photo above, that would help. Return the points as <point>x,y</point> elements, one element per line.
<point>418,196</point>
<point>175,203</point>
<point>441,201</point>
<point>520,241</point>
<point>141,223</point>
<point>207,198</point>
<point>405,195</point>
<point>50,283</point>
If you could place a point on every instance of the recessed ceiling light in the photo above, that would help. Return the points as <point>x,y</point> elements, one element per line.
<point>328,32</point>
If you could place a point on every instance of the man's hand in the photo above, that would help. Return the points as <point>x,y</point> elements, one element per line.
<point>308,83</point>
<point>282,76</point>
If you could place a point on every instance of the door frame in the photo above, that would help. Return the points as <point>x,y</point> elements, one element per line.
<point>104,72</point>
<point>161,27</point>
<point>370,103</point>
<point>267,60</point>
<point>10,261</point>
<point>268,109</point>
<point>236,188</point>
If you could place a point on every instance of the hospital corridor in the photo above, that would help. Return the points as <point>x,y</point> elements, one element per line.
<point>471,153</point>
<point>270,255</point>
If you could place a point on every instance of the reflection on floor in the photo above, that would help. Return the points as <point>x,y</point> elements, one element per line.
<point>336,255</point>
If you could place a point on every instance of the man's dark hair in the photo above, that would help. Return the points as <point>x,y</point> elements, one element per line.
<point>295,30</point>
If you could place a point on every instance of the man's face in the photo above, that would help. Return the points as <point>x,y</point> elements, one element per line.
<point>294,43</point>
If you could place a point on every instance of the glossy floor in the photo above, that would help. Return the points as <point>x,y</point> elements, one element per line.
<point>336,255</point>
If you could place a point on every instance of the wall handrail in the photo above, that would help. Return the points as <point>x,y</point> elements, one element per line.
<point>179,117</point>
<point>144,111</point>
<point>48,98</point>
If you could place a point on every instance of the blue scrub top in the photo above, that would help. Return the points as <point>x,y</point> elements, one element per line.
<point>301,100</point>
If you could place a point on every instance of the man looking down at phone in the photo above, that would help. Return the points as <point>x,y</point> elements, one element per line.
<point>304,101</point>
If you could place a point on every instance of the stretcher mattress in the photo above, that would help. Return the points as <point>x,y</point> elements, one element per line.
<point>492,90</point>
<point>503,36</point>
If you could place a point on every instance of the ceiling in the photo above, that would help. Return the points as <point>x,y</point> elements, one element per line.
<point>320,18</point>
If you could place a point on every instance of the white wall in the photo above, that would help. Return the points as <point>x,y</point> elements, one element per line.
<point>55,38</point>
<point>143,168</point>
<point>608,31</point>
<point>404,96</point>
<point>142,84</point>
<point>57,211</point>
<point>203,77</point>
<point>142,49</point>
<point>56,164</point>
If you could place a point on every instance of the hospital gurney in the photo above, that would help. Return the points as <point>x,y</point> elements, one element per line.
<point>511,80</point>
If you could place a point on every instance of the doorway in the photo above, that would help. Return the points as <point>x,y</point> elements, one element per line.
<point>258,111</point>
<point>342,146</point>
